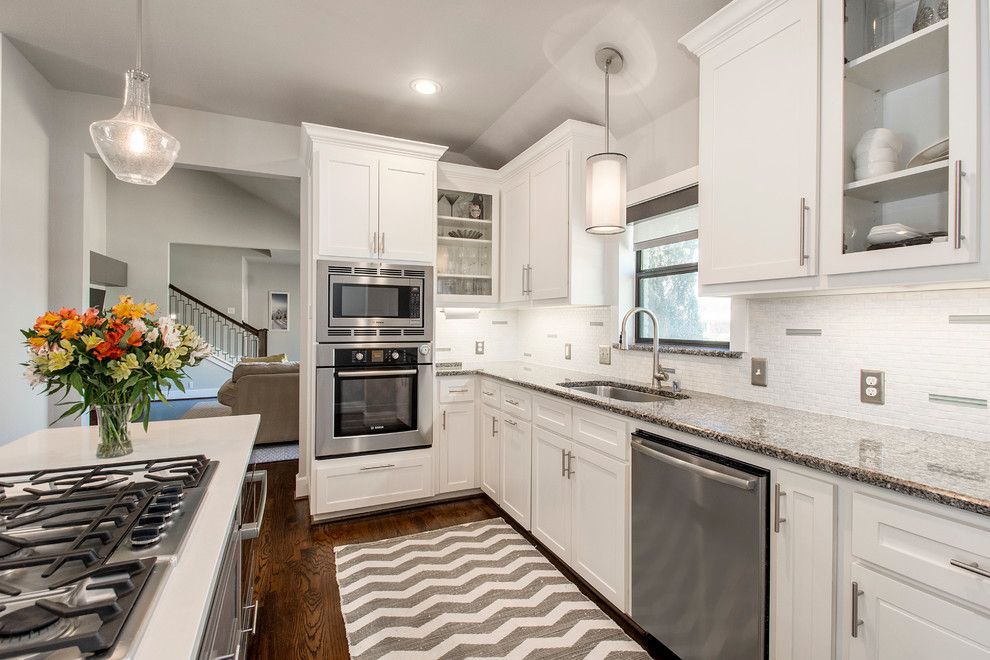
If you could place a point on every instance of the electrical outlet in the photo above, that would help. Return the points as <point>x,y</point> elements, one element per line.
<point>871,386</point>
<point>230,311</point>
<point>605,354</point>
<point>758,372</point>
<point>567,351</point>
<point>479,347</point>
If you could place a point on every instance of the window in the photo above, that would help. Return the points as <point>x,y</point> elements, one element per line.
<point>667,278</point>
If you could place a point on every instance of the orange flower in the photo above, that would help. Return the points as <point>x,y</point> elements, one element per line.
<point>135,338</point>
<point>71,328</point>
<point>128,309</point>
<point>67,313</point>
<point>90,317</point>
<point>37,342</point>
<point>47,322</point>
<point>108,351</point>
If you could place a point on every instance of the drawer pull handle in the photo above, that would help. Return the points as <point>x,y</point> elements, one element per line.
<point>856,621</point>
<point>512,401</point>
<point>457,390</point>
<point>510,422</point>
<point>377,467</point>
<point>972,567</point>
<point>488,393</point>
<point>777,519</point>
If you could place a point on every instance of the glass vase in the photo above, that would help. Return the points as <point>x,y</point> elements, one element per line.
<point>113,421</point>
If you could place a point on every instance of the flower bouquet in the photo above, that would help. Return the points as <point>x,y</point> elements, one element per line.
<point>118,361</point>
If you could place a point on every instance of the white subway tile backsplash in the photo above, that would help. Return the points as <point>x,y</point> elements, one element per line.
<point>908,335</point>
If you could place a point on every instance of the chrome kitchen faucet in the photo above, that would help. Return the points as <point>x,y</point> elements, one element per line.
<point>659,375</point>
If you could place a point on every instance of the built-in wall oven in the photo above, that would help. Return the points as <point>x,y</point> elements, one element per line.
<point>373,398</point>
<point>373,302</point>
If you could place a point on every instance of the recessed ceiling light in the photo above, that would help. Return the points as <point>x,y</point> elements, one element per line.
<point>425,86</point>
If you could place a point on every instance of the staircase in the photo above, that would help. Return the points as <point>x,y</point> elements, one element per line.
<point>231,339</point>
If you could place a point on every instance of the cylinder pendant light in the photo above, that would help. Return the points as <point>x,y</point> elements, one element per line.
<point>132,144</point>
<point>605,201</point>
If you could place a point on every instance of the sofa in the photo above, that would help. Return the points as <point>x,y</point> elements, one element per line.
<point>270,389</point>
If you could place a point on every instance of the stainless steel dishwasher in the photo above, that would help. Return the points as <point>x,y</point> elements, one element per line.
<point>699,550</point>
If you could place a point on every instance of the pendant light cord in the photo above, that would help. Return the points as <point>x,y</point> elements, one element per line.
<point>607,63</point>
<point>140,31</point>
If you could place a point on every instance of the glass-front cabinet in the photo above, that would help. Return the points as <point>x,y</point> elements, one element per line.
<point>899,135</point>
<point>467,235</point>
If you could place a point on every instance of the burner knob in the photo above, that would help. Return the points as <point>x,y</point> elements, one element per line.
<point>151,521</point>
<point>395,355</point>
<point>424,349</point>
<point>359,357</point>
<point>145,536</point>
<point>173,489</point>
<point>163,510</point>
<point>167,500</point>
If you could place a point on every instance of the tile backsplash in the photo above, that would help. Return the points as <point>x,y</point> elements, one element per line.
<point>916,338</point>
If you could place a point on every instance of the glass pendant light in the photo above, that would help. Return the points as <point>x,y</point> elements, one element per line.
<point>605,208</point>
<point>131,144</point>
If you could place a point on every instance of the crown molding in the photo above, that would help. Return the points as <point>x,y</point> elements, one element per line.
<point>343,137</point>
<point>726,22</point>
<point>570,129</point>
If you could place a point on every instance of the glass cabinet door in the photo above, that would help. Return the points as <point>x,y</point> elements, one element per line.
<point>466,259</point>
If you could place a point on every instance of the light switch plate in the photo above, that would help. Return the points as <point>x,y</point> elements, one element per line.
<point>604,354</point>
<point>871,389</point>
<point>231,311</point>
<point>567,351</point>
<point>479,347</point>
<point>758,372</point>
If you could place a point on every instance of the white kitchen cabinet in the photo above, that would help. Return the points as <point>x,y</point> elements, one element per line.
<point>758,147</point>
<point>344,484</point>
<point>491,453</point>
<point>374,196</point>
<point>599,552</point>
<point>457,447</point>
<point>546,254</point>
<point>895,621</point>
<point>803,567</point>
<point>516,440</point>
<point>552,492</point>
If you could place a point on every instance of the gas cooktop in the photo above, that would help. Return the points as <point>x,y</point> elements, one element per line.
<point>80,550</point>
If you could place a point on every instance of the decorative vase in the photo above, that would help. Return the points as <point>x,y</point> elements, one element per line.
<point>113,421</point>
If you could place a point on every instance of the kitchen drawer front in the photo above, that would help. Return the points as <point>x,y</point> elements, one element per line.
<point>344,484</point>
<point>457,389</point>
<point>941,553</point>
<point>602,432</point>
<point>552,414</point>
<point>490,392</point>
<point>517,402</point>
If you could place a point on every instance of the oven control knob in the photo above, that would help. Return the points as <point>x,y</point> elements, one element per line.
<point>359,357</point>
<point>424,349</point>
<point>395,355</point>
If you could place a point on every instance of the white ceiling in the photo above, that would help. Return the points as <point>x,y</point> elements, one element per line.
<point>510,69</point>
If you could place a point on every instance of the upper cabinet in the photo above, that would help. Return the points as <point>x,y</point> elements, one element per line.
<point>373,197</point>
<point>900,140</point>
<point>758,158</point>
<point>546,254</point>
<point>876,185</point>
<point>468,216</point>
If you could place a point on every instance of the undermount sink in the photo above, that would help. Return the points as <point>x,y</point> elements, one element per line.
<point>621,392</point>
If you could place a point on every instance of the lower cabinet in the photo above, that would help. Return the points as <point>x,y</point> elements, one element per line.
<point>803,566</point>
<point>890,620</point>
<point>457,447</point>
<point>364,481</point>
<point>516,441</point>
<point>491,453</point>
<point>579,510</point>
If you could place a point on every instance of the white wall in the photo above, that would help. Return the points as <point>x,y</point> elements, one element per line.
<point>25,121</point>
<point>187,206</point>
<point>263,277</point>
<point>210,273</point>
<point>665,146</point>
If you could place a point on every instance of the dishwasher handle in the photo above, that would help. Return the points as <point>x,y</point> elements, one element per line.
<point>708,473</point>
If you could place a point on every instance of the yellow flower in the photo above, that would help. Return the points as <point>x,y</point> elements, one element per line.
<point>121,369</point>
<point>37,342</point>
<point>58,360</point>
<point>168,361</point>
<point>91,341</point>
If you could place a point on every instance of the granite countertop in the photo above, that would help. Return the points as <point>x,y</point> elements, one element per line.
<point>941,468</point>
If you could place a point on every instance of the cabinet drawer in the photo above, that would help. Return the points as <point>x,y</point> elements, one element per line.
<point>552,414</point>
<point>942,553</point>
<point>602,432</point>
<point>455,389</point>
<point>490,392</point>
<point>344,484</point>
<point>517,402</point>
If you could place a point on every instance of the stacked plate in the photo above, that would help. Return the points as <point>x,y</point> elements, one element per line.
<point>892,233</point>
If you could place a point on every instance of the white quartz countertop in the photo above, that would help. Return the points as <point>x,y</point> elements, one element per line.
<point>174,626</point>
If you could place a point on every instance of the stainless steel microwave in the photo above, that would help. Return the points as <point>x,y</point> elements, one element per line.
<point>373,302</point>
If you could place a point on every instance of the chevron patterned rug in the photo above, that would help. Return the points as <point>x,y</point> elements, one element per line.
<point>473,591</point>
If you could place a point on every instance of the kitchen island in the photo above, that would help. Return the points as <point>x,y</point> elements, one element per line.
<point>175,619</point>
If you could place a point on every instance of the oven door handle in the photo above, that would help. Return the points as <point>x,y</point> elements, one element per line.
<point>377,372</point>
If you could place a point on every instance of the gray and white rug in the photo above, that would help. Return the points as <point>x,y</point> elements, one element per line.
<point>473,591</point>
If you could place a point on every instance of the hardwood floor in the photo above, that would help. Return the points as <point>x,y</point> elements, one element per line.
<point>296,587</point>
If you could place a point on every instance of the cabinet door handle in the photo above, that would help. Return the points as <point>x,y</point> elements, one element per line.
<point>443,420</point>
<point>570,459</point>
<point>972,567</point>
<point>777,518</point>
<point>251,530</point>
<point>523,282</point>
<point>494,426</point>
<point>254,619</point>
<point>374,243</point>
<point>529,279</point>
<point>957,206</point>
<point>382,251</point>
<point>802,256</point>
<point>563,463</point>
<point>856,621</point>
